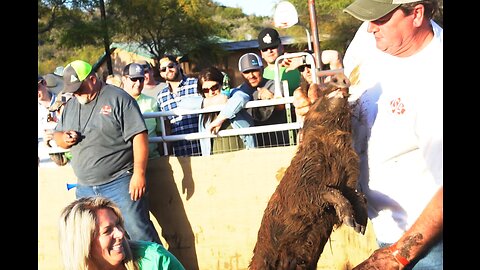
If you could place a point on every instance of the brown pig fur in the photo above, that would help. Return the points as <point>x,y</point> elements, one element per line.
<point>318,190</point>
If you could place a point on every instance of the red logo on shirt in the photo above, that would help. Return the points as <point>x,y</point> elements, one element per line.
<point>397,106</point>
<point>106,109</point>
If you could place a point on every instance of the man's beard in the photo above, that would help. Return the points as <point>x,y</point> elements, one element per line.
<point>174,76</point>
<point>82,99</point>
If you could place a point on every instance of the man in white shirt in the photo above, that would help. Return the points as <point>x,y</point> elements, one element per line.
<point>395,65</point>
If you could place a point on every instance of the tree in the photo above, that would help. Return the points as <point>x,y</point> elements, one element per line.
<point>189,28</point>
<point>335,28</point>
<point>163,26</point>
<point>72,29</point>
<point>67,30</point>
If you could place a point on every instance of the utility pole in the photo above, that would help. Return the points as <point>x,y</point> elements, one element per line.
<point>106,42</point>
<point>314,31</point>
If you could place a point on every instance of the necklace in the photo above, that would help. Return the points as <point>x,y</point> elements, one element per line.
<point>81,130</point>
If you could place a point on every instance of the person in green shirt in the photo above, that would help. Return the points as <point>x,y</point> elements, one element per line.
<point>133,81</point>
<point>93,237</point>
<point>270,46</point>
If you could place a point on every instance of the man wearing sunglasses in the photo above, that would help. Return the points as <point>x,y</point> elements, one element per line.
<point>104,129</point>
<point>176,88</point>
<point>133,81</point>
<point>254,87</point>
<point>270,46</point>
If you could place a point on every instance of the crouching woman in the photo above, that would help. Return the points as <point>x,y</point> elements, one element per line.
<point>93,237</point>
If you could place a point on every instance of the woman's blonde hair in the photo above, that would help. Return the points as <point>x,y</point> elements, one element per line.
<point>77,230</point>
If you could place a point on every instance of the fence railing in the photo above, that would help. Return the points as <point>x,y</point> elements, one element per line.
<point>289,126</point>
<point>280,97</point>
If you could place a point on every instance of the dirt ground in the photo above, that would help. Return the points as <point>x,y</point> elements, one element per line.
<point>216,227</point>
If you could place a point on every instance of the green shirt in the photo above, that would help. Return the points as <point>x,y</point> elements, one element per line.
<point>292,77</point>
<point>149,104</point>
<point>152,256</point>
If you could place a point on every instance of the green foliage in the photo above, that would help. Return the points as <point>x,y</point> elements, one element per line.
<point>335,28</point>
<point>85,33</point>
<point>244,28</point>
<point>73,29</point>
<point>161,26</point>
<point>67,30</point>
<point>229,13</point>
<point>50,57</point>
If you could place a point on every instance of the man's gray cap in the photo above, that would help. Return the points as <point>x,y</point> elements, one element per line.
<point>133,70</point>
<point>249,61</point>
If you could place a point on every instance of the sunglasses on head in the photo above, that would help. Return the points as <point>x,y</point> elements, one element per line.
<point>302,68</point>
<point>212,88</point>
<point>170,65</point>
<point>137,79</point>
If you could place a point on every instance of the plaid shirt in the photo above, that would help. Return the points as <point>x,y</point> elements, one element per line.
<point>183,124</point>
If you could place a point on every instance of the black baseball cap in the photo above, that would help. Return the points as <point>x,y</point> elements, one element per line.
<point>268,38</point>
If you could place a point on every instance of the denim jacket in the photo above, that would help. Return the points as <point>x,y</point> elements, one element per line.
<point>238,117</point>
<point>245,93</point>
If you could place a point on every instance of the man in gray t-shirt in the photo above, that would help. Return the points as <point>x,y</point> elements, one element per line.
<point>105,132</point>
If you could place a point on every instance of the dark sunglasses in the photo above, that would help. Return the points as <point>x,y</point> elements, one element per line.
<point>137,79</point>
<point>302,68</point>
<point>214,87</point>
<point>270,48</point>
<point>170,65</point>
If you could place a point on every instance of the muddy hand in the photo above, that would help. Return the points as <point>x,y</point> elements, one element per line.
<point>379,260</point>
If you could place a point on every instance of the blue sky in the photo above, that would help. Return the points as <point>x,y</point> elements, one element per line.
<point>257,7</point>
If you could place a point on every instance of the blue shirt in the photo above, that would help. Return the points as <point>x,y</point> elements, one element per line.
<point>245,93</point>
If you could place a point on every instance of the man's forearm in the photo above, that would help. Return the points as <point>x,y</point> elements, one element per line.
<point>426,229</point>
<point>140,152</point>
<point>234,104</point>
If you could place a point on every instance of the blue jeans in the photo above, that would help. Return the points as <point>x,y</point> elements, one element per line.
<point>135,213</point>
<point>431,260</point>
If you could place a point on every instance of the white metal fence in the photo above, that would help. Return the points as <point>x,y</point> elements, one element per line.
<point>259,132</point>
